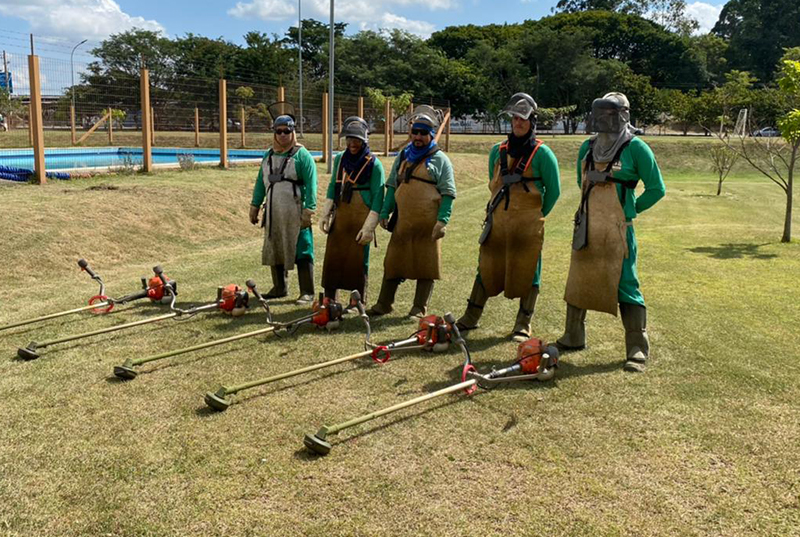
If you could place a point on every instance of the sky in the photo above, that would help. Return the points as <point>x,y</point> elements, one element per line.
<point>60,24</point>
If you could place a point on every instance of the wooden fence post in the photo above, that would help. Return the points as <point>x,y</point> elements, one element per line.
<point>223,123</point>
<point>147,140</point>
<point>72,122</point>
<point>361,107</point>
<point>447,132</point>
<point>35,121</point>
<point>387,113</point>
<point>325,127</point>
<point>242,120</point>
<point>281,98</point>
<point>110,126</point>
<point>196,127</point>
<point>339,138</point>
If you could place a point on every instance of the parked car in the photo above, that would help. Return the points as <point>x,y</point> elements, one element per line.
<point>767,131</point>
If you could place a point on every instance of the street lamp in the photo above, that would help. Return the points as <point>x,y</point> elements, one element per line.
<point>72,71</point>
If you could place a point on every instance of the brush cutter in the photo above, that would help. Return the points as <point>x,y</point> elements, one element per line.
<point>434,334</point>
<point>534,361</point>
<point>217,400</point>
<point>324,313</point>
<point>230,299</point>
<point>100,303</point>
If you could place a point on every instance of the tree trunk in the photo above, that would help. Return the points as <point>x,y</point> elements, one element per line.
<point>719,187</point>
<point>787,223</point>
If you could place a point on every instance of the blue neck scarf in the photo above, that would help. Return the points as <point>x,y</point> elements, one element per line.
<point>353,163</point>
<point>414,155</point>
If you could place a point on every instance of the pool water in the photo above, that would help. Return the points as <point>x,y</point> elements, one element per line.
<point>103,157</point>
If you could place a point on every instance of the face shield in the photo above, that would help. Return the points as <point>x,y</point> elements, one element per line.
<point>426,115</point>
<point>520,105</point>
<point>609,116</point>
<point>355,127</point>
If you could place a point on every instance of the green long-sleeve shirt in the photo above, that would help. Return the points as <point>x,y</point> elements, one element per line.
<point>373,198</point>
<point>306,171</point>
<point>638,163</point>
<point>545,167</point>
<point>441,170</point>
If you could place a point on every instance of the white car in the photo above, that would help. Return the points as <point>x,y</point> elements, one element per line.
<point>767,131</point>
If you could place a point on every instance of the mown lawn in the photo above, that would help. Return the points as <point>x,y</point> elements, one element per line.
<point>704,443</point>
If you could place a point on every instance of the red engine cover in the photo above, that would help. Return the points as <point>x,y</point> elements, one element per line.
<point>155,289</point>
<point>229,293</point>
<point>529,355</point>
<point>429,329</point>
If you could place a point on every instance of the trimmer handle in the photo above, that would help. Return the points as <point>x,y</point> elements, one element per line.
<point>84,265</point>
<point>251,286</point>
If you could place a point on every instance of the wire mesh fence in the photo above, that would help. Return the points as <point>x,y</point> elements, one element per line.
<point>93,118</point>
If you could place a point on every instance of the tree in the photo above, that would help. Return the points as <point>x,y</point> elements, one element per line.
<point>757,32</point>
<point>776,158</point>
<point>671,14</point>
<point>722,161</point>
<point>315,44</point>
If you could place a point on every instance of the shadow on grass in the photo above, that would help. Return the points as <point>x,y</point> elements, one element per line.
<point>733,251</point>
<point>304,455</point>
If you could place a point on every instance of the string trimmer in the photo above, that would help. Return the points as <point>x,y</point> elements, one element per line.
<point>325,313</point>
<point>100,303</point>
<point>535,361</point>
<point>230,299</point>
<point>217,400</point>
<point>433,335</point>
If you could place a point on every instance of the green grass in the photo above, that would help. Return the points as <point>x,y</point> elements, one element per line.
<point>704,443</point>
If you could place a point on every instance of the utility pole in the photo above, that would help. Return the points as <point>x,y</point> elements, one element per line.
<point>329,134</point>
<point>5,71</point>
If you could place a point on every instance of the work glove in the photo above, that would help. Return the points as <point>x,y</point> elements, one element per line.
<point>325,219</point>
<point>439,230</point>
<point>305,218</point>
<point>384,223</point>
<point>254,214</point>
<point>367,233</point>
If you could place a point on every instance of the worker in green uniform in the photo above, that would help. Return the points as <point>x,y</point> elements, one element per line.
<point>525,185</point>
<point>416,209</point>
<point>351,212</point>
<point>287,187</point>
<point>602,272</point>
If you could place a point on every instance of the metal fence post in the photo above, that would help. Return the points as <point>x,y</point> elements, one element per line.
<point>387,112</point>
<point>325,127</point>
<point>35,120</point>
<point>223,123</point>
<point>196,127</point>
<point>147,140</point>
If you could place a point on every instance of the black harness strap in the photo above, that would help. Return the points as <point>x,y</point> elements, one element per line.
<point>411,168</point>
<point>509,179</point>
<point>274,178</point>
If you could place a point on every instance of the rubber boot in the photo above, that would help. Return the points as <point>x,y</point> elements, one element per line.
<point>527,305</point>
<point>475,303</point>
<point>385,298</point>
<point>422,295</point>
<point>305,277</point>
<point>574,338</point>
<point>637,344</point>
<point>278,283</point>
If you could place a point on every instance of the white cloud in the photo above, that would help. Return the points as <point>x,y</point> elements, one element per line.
<point>268,10</point>
<point>93,19</point>
<point>705,14</point>
<point>363,14</point>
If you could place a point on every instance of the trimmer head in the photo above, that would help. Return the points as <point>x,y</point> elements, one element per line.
<point>124,372</point>
<point>216,402</point>
<point>28,353</point>
<point>316,445</point>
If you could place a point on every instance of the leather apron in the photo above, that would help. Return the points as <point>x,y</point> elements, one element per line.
<point>282,215</point>
<point>343,267</point>
<point>594,271</point>
<point>411,253</point>
<point>510,255</point>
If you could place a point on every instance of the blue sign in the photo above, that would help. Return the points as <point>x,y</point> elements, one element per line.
<point>10,88</point>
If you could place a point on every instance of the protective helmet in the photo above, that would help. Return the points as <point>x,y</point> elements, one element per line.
<point>427,116</point>
<point>355,127</point>
<point>285,120</point>
<point>521,105</point>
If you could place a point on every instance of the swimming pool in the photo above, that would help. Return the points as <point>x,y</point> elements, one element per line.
<point>104,157</point>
